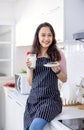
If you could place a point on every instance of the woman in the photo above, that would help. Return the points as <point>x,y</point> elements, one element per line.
<point>44,102</point>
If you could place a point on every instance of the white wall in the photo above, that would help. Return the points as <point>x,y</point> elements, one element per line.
<point>73,17</point>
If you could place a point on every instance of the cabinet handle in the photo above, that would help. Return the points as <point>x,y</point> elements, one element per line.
<point>18,103</point>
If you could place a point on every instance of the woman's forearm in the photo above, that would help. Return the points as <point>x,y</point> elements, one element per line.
<point>62,76</point>
<point>30,75</point>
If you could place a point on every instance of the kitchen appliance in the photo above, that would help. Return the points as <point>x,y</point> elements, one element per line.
<point>21,84</point>
<point>73,124</point>
<point>79,35</point>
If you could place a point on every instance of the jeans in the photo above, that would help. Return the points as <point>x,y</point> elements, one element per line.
<point>37,124</point>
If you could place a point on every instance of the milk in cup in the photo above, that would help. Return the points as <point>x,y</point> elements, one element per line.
<point>32,58</point>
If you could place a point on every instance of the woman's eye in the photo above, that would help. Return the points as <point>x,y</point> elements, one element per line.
<point>43,35</point>
<point>50,35</point>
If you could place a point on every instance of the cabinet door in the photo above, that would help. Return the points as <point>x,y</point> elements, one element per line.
<point>0,106</point>
<point>9,122</point>
<point>18,115</point>
<point>52,128</point>
<point>14,114</point>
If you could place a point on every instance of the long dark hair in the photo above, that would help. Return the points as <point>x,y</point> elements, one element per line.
<point>52,51</point>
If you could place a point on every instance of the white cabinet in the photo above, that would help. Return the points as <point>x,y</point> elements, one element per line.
<point>9,117</point>
<point>6,50</point>
<point>0,106</point>
<point>19,112</point>
<point>14,112</point>
<point>52,128</point>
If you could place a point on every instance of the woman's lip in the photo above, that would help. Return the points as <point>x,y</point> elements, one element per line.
<point>46,43</point>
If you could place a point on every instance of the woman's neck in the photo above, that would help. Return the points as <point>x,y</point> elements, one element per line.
<point>43,55</point>
<point>43,52</point>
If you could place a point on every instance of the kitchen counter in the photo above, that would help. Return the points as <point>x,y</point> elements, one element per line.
<point>12,91</point>
<point>68,112</point>
<point>19,97</point>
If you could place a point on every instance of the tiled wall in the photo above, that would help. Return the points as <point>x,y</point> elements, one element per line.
<point>75,61</point>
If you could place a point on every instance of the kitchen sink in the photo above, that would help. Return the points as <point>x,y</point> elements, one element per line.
<point>74,124</point>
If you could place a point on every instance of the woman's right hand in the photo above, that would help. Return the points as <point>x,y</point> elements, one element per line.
<point>30,71</point>
<point>28,63</point>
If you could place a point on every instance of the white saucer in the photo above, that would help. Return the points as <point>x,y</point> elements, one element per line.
<point>51,64</point>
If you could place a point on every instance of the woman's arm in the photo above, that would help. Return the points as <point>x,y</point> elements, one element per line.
<point>29,72</point>
<point>30,75</point>
<point>62,74</point>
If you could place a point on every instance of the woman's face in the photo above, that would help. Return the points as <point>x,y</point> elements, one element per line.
<point>45,37</point>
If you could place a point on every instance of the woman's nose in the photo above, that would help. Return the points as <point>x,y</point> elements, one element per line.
<point>46,37</point>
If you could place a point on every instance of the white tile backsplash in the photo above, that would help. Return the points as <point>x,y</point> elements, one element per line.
<point>75,66</point>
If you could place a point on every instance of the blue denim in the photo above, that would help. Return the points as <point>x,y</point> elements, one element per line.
<point>37,124</point>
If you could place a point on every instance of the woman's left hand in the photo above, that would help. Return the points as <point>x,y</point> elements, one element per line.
<point>55,69</point>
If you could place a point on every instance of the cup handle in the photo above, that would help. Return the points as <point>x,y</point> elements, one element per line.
<point>18,82</point>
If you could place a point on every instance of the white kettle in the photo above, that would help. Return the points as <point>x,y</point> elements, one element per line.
<point>21,83</point>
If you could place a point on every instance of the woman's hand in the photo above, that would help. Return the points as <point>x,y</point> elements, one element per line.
<point>28,63</point>
<point>55,69</point>
<point>29,71</point>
